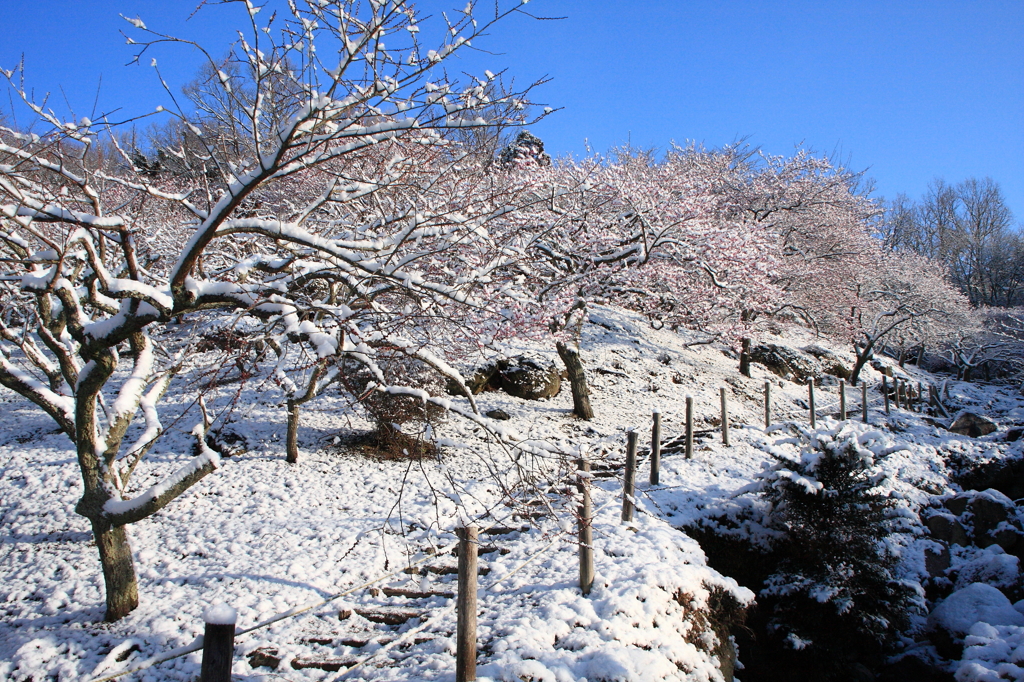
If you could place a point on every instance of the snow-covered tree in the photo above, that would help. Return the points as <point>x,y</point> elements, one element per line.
<point>903,293</point>
<point>313,194</point>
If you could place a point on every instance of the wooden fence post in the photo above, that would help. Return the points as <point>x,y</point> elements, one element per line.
<point>899,393</point>
<point>885,393</point>
<point>767,404</point>
<point>810,393</point>
<point>689,427</point>
<point>586,531</point>
<point>465,642</point>
<point>725,417</point>
<point>656,448</point>
<point>630,478</point>
<point>218,643</point>
<point>920,397</point>
<point>864,401</point>
<point>842,400</point>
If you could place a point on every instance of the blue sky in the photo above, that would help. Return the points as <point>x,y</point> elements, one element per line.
<point>907,90</point>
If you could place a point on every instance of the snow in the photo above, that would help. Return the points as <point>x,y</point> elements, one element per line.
<point>269,538</point>
<point>976,603</point>
<point>220,614</point>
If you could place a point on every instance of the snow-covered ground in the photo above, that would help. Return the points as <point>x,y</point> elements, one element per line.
<point>265,537</point>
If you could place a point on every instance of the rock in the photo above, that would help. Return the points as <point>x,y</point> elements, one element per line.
<point>264,657</point>
<point>1014,434</point>
<point>480,380</point>
<point>786,362</point>
<point>991,566</point>
<point>1005,475</point>
<point>883,366</point>
<point>958,504</point>
<point>521,377</point>
<point>948,529</point>
<point>988,509</point>
<point>500,415</point>
<point>937,559</point>
<point>528,379</point>
<point>973,425</point>
<point>975,603</point>
<point>1006,536</point>
<point>830,362</point>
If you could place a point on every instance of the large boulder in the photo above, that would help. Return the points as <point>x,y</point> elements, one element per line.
<point>977,602</point>
<point>988,509</point>
<point>883,366</point>
<point>973,425</point>
<point>529,379</point>
<point>947,528</point>
<point>788,363</point>
<point>830,362</point>
<point>522,377</point>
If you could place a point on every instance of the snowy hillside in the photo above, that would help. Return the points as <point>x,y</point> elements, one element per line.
<point>266,537</point>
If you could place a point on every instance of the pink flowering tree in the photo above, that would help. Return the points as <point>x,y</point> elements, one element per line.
<point>312,195</point>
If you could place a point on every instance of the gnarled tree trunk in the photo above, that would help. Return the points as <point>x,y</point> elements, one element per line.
<point>577,381</point>
<point>118,569</point>
<point>745,357</point>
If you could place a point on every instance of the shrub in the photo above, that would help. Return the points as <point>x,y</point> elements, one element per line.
<point>833,603</point>
<point>391,411</point>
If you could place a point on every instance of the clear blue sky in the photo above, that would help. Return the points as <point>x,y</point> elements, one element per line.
<point>907,90</point>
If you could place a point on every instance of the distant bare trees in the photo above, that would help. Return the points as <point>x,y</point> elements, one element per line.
<point>969,228</point>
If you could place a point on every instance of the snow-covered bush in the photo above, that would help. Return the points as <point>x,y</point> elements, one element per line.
<point>833,600</point>
<point>390,411</point>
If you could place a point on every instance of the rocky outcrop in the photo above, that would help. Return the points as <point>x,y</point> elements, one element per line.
<point>788,363</point>
<point>522,377</point>
<point>973,425</point>
<point>830,362</point>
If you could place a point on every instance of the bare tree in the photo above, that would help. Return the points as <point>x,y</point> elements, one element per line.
<point>327,205</point>
<point>968,228</point>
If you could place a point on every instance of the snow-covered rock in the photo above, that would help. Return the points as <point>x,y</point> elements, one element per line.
<point>976,603</point>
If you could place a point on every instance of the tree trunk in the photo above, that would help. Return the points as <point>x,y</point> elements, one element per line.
<point>745,357</point>
<point>862,359</point>
<point>903,357</point>
<point>292,439</point>
<point>118,569</point>
<point>920,356</point>
<point>577,381</point>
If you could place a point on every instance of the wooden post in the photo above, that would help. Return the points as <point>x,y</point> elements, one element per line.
<point>629,478</point>
<point>842,400</point>
<point>218,644</point>
<point>899,393</point>
<point>885,393</point>
<point>586,530</point>
<point>725,417</point>
<point>767,404</point>
<point>689,427</point>
<point>864,401</point>
<point>656,448</point>
<point>920,397</point>
<point>810,394</point>
<point>465,642</point>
